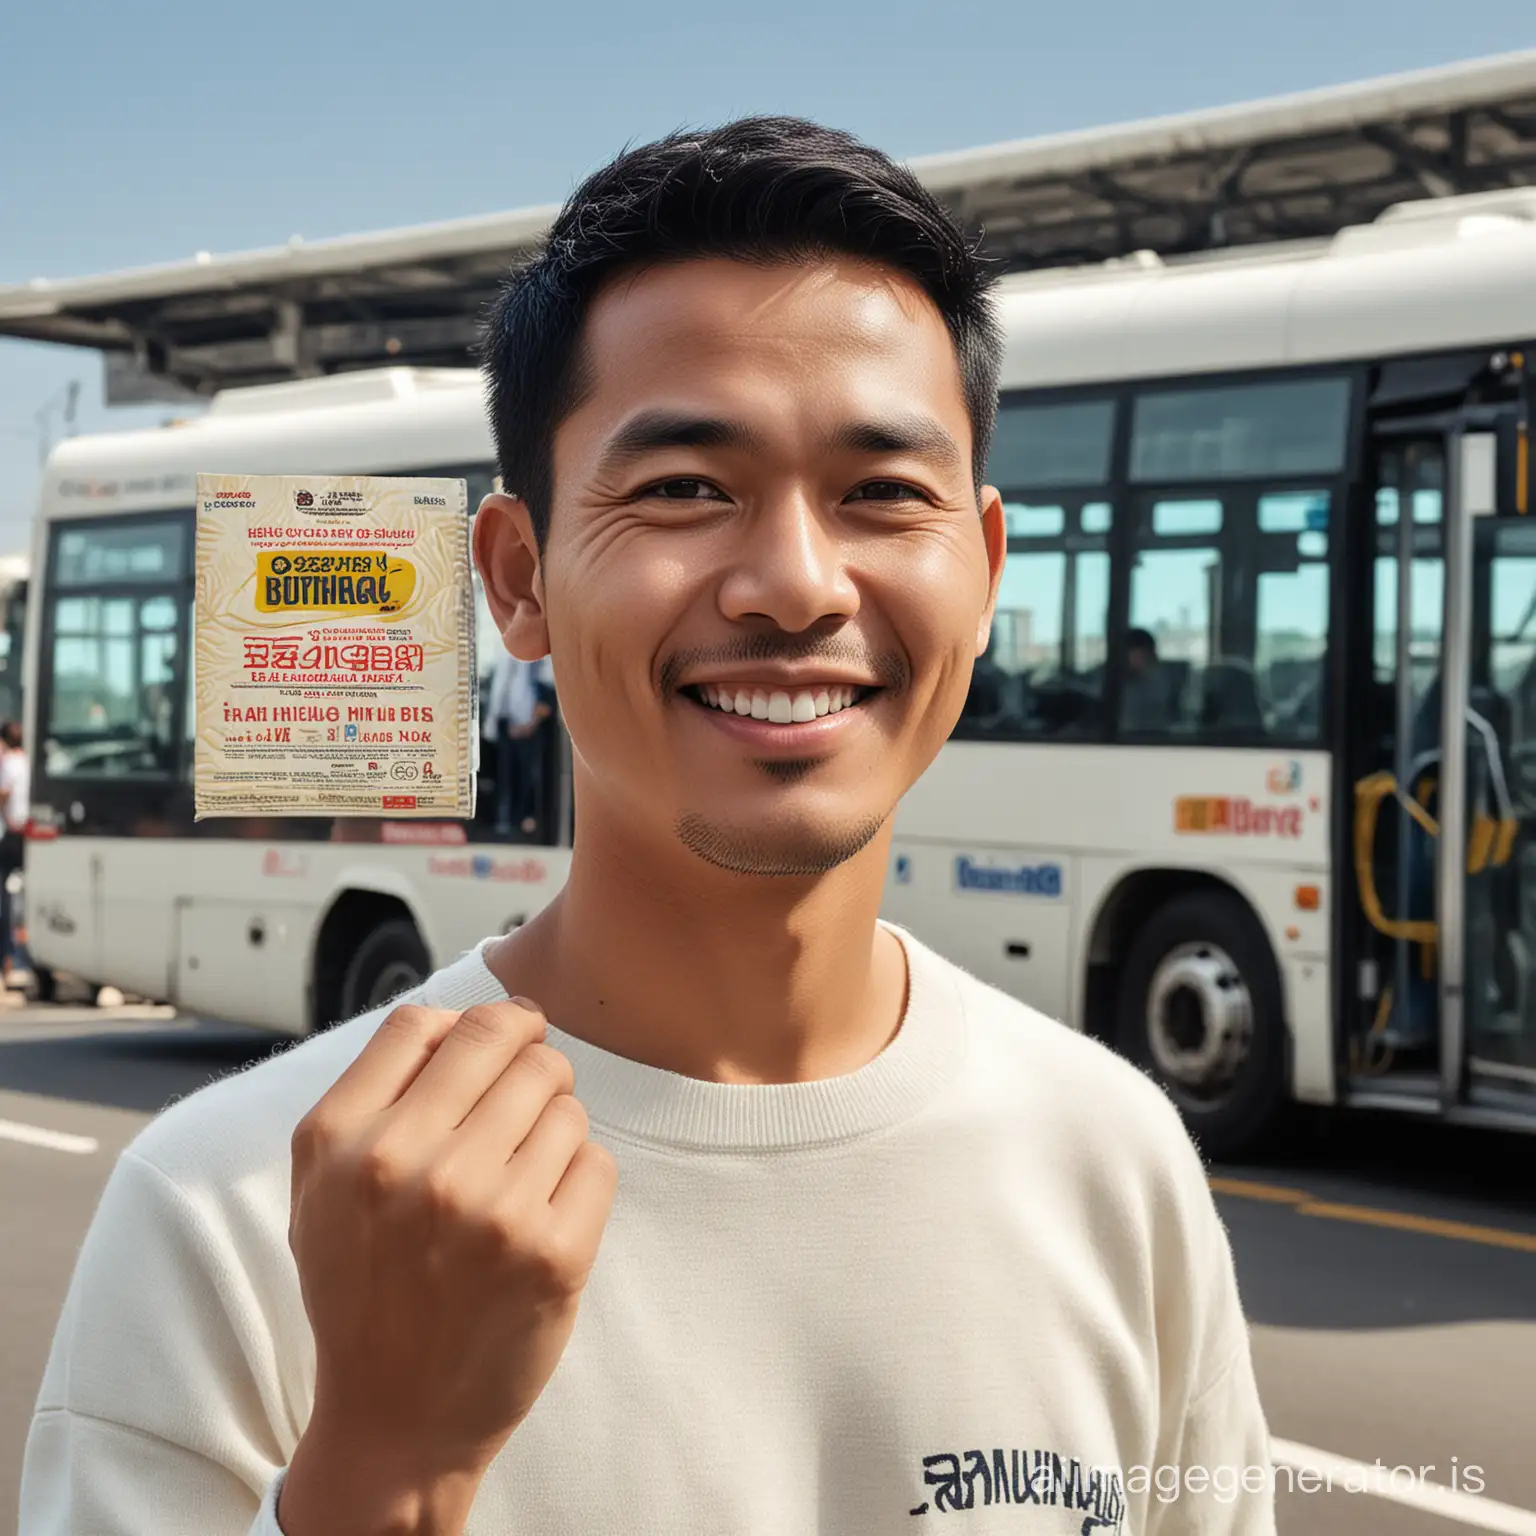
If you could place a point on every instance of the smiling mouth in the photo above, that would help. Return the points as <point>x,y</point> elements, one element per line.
<point>775,705</point>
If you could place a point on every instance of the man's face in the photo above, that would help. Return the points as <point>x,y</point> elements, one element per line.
<point>766,577</point>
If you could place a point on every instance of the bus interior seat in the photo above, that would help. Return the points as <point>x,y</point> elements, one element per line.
<point>1230,703</point>
<point>1175,676</point>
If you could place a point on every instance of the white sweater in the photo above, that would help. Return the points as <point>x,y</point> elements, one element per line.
<point>979,1279</point>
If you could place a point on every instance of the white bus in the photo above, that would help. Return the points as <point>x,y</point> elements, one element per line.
<point>14,571</point>
<point>1271,589</point>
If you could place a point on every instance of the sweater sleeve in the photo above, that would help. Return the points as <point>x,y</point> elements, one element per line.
<point>1214,1476</point>
<point>160,1412</point>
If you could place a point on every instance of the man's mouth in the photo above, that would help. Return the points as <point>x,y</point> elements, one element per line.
<point>778,706</point>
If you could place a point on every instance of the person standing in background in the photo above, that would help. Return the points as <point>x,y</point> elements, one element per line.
<point>522,698</point>
<point>15,807</point>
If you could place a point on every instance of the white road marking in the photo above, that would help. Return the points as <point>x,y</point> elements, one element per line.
<point>37,1136</point>
<point>1339,1472</point>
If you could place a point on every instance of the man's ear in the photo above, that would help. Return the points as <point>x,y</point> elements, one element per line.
<point>994,530</point>
<point>507,555</point>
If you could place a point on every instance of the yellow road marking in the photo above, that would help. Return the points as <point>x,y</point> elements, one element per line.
<point>1433,1226</point>
<point>1276,1193</point>
<point>1372,1216</point>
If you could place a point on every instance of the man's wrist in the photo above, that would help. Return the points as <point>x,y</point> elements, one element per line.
<point>338,1483</point>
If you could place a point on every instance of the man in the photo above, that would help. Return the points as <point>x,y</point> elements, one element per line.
<point>520,699</point>
<point>15,807</point>
<point>781,1224</point>
<point>1144,701</point>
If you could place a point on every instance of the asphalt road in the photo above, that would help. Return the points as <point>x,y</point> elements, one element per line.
<point>1388,1269</point>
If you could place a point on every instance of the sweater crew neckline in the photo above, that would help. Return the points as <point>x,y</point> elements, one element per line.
<point>652,1104</point>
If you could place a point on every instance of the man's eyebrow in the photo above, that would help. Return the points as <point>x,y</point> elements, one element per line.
<point>918,435</point>
<point>653,430</point>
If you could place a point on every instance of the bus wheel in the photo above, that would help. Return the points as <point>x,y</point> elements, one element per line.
<point>390,960</point>
<point>45,985</point>
<point>1200,1008</point>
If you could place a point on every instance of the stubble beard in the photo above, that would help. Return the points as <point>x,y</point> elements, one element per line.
<point>807,851</point>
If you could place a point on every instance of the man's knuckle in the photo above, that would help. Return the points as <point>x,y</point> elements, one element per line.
<point>378,1171</point>
<point>409,1019</point>
<point>549,1066</point>
<point>313,1137</point>
<point>443,1189</point>
<point>557,1263</point>
<point>569,1112</point>
<point>485,1024</point>
<point>501,1233</point>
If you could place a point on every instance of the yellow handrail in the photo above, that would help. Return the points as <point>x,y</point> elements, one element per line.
<point>1369,793</point>
<point>1489,841</point>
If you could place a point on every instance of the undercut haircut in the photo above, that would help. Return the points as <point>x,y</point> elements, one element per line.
<point>760,189</point>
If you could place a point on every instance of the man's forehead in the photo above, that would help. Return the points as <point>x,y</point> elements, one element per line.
<point>680,334</point>
<point>723,302</point>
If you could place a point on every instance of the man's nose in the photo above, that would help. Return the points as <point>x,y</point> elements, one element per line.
<point>790,568</point>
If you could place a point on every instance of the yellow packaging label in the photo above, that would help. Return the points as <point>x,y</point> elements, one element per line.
<point>325,581</point>
<point>334,647</point>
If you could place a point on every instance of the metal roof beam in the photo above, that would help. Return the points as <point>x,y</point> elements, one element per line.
<point>1439,175</point>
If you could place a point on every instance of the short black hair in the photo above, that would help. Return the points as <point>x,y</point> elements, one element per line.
<point>1141,640</point>
<point>759,189</point>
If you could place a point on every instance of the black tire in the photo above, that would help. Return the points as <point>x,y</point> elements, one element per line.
<point>391,960</point>
<point>1216,940</point>
<point>45,985</point>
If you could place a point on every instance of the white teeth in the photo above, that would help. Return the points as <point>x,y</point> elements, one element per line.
<point>780,707</point>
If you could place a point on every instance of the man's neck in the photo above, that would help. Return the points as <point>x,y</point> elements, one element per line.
<point>727,978</point>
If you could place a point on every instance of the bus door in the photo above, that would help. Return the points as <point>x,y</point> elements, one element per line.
<point>1497,632</point>
<point>1445,792</point>
<point>1395,1026</point>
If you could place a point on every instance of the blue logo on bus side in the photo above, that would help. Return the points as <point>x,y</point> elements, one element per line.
<point>1013,880</point>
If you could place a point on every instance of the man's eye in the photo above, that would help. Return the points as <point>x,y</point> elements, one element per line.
<point>886,490</point>
<point>683,490</point>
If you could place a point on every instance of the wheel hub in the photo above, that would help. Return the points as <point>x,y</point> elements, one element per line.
<point>1199,1019</point>
<point>394,978</point>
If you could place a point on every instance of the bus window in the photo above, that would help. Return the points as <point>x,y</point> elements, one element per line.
<point>13,599</point>
<point>1043,671</point>
<point>1060,445</point>
<point>114,626</point>
<point>1266,431</point>
<point>1042,675</point>
<point>1228,618</point>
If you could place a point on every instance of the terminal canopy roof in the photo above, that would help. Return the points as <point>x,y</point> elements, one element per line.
<point>1295,167</point>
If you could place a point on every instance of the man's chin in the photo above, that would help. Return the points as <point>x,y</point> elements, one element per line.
<point>776,849</point>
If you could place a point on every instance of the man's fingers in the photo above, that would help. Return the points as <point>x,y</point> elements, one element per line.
<point>540,1163</point>
<point>582,1201</point>
<point>390,1062</point>
<point>472,1056</point>
<point>495,1128</point>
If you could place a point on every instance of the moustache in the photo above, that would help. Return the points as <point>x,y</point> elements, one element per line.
<point>888,667</point>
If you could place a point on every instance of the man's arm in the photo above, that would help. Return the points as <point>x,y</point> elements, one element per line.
<point>1213,1452</point>
<point>157,1409</point>
<point>445,1213</point>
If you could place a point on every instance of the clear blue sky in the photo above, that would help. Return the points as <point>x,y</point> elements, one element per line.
<point>133,134</point>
